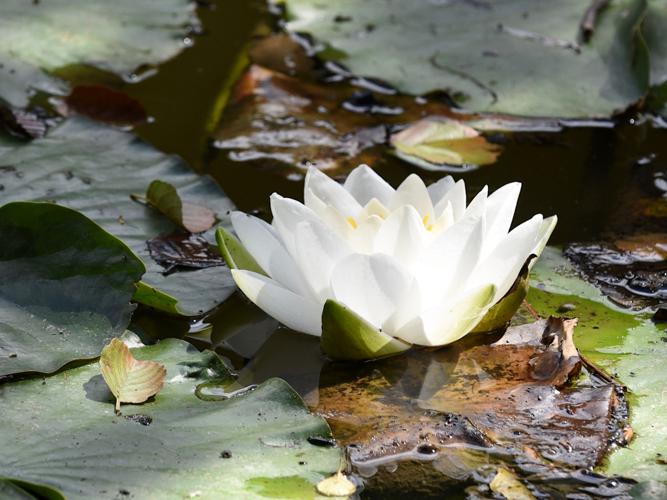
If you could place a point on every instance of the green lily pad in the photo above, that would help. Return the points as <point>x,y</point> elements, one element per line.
<point>94,169</point>
<point>522,57</point>
<point>119,36</point>
<point>65,287</point>
<point>629,346</point>
<point>173,447</point>
<point>347,336</point>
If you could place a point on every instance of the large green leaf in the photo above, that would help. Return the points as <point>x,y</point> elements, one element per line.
<point>65,287</point>
<point>630,346</point>
<point>512,56</point>
<point>119,36</point>
<point>94,169</point>
<point>175,446</point>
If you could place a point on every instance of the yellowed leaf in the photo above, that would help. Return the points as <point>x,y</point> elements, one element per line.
<point>337,485</point>
<point>507,484</point>
<point>130,380</point>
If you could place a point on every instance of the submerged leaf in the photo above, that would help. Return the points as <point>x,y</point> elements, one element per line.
<point>130,380</point>
<point>507,484</point>
<point>105,104</point>
<point>444,142</point>
<point>193,218</point>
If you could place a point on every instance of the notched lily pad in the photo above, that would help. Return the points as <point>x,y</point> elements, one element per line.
<point>65,287</point>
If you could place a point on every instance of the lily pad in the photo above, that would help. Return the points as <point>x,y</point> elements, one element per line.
<point>39,37</point>
<point>175,446</point>
<point>94,169</point>
<point>65,287</point>
<point>521,57</point>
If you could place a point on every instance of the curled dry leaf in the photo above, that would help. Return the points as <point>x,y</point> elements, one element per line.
<point>443,142</point>
<point>130,380</point>
<point>194,218</point>
<point>337,485</point>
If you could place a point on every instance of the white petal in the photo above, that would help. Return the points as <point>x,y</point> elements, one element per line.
<point>444,221</point>
<point>439,189</point>
<point>261,241</point>
<point>373,286</point>
<point>457,197</point>
<point>547,227</point>
<point>362,238</point>
<point>365,184</point>
<point>478,204</point>
<point>402,236</point>
<point>329,192</point>
<point>374,207</point>
<point>443,324</point>
<point>449,261</point>
<point>292,310</point>
<point>504,262</point>
<point>287,213</point>
<point>318,250</point>
<point>412,191</point>
<point>500,208</point>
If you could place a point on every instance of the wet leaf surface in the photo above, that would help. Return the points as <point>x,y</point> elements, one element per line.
<point>65,287</point>
<point>42,36</point>
<point>183,250</point>
<point>75,444</point>
<point>519,57</point>
<point>631,273</point>
<point>94,169</point>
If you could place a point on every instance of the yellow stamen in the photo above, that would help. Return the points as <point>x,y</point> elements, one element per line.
<point>429,227</point>
<point>352,222</point>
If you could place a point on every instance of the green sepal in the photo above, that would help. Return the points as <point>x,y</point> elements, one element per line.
<point>500,314</point>
<point>346,336</point>
<point>235,254</point>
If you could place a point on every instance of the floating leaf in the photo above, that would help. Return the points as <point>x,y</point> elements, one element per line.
<point>94,169</point>
<point>444,142</point>
<point>510,56</point>
<point>65,287</point>
<point>507,484</point>
<point>130,380</point>
<point>178,446</point>
<point>193,218</point>
<point>184,250</point>
<point>337,485</point>
<point>39,37</point>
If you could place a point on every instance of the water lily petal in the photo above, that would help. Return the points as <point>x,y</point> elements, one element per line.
<point>287,213</point>
<point>504,262</point>
<point>440,188</point>
<point>478,204</point>
<point>457,197</point>
<point>291,309</point>
<point>443,324</point>
<point>451,258</point>
<point>261,241</point>
<point>412,191</point>
<point>365,184</point>
<point>362,238</point>
<point>373,286</point>
<point>444,221</point>
<point>318,250</point>
<point>547,227</point>
<point>374,207</point>
<point>329,192</point>
<point>500,208</point>
<point>402,236</point>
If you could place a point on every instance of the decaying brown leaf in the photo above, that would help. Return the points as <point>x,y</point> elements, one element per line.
<point>193,218</point>
<point>104,104</point>
<point>472,404</point>
<point>130,380</point>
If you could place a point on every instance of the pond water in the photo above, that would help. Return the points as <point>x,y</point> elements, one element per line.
<point>597,176</point>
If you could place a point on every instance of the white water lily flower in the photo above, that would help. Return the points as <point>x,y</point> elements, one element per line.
<point>415,265</point>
